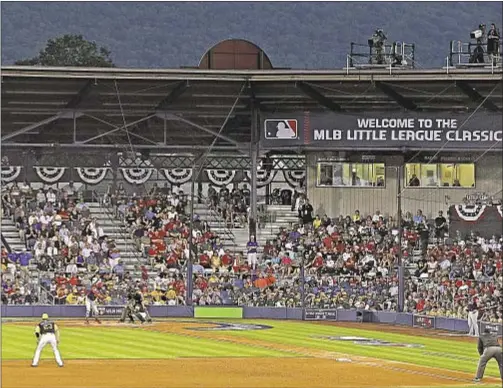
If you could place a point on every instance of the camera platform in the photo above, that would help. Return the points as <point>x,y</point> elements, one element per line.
<point>399,55</point>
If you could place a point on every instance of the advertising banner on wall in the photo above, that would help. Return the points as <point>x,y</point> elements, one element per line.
<point>110,311</point>
<point>320,315</point>
<point>383,131</point>
<point>423,321</point>
<point>494,328</point>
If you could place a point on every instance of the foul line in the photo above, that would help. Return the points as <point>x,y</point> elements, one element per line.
<point>309,353</point>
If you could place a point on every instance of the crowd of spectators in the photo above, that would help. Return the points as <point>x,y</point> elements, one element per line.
<point>63,241</point>
<point>348,262</point>
<point>233,206</point>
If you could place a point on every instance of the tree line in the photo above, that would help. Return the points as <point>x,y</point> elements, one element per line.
<point>70,51</point>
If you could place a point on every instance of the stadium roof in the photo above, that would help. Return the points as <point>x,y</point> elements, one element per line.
<point>186,108</point>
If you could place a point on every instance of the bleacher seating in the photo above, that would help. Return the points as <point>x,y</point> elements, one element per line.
<point>348,262</point>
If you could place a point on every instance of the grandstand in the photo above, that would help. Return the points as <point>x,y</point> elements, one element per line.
<point>141,160</point>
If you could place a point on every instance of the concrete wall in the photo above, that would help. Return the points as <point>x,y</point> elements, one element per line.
<point>344,201</point>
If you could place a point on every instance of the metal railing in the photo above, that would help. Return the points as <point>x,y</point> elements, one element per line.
<point>45,296</point>
<point>389,56</point>
<point>119,228</point>
<point>216,218</point>
<point>460,54</point>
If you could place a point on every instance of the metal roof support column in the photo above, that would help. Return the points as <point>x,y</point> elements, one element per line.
<point>165,129</point>
<point>74,127</point>
<point>401,280</point>
<point>254,152</point>
<point>196,170</point>
<point>114,165</point>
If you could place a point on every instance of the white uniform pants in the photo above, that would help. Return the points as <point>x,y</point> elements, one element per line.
<point>252,260</point>
<point>45,339</point>
<point>473,324</point>
<point>91,308</point>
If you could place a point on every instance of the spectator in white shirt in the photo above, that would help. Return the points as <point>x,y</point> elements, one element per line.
<point>393,290</point>
<point>40,247</point>
<point>41,199</point>
<point>172,214</point>
<point>86,252</point>
<point>445,264</point>
<point>45,219</point>
<point>51,197</point>
<point>96,247</point>
<point>32,219</point>
<point>375,217</point>
<point>71,268</point>
<point>52,250</point>
<point>70,189</point>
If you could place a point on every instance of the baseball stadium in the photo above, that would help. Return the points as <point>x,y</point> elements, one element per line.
<point>239,225</point>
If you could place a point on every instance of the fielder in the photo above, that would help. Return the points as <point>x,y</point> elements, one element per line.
<point>488,347</point>
<point>47,332</point>
<point>91,307</point>
<point>473,324</point>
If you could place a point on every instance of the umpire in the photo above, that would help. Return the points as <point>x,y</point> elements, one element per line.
<point>135,308</point>
<point>128,311</point>
<point>488,348</point>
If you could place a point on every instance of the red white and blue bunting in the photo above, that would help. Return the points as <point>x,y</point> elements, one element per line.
<point>137,176</point>
<point>294,178</point>
<point>220,177</point>
<point>264,177</point>
<point>10,173</point>
<point>177,176</point>
<point>50,174</point>
<point>92,176</point>
<point>470,212</point>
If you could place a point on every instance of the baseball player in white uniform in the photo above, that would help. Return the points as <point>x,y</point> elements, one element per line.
<point>473,314</point>
<point>91,307</point>
<point>47,332</point>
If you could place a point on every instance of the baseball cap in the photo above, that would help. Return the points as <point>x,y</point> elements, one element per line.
<point>45,316</point>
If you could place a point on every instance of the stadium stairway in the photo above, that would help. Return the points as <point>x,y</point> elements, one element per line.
<point>271,221</point>
<point>11,234</point>
<point>114,229</point>
<point>217,225</point>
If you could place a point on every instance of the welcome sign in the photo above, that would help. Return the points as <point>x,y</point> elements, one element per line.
<point>480,131</point>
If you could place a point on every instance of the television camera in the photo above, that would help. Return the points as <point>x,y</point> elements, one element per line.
<point>376,43</point>
<point>479,33</point>
<point>378,38</point>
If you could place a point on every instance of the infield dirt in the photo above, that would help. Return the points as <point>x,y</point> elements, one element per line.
<point>311,368</point>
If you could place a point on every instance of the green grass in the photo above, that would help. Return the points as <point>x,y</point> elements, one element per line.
<point>447,354</point>
<point>18,343</point>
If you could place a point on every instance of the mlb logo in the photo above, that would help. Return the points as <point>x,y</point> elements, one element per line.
<point>285,129</point>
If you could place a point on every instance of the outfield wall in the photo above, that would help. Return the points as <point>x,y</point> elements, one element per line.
<point>385,317</point>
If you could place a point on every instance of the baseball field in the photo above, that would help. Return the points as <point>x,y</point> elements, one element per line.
<point>240,354</point>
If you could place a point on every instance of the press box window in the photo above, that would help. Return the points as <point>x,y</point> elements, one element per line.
<point>350,174</point>
<point>457,175</point>
<point>440,175</point>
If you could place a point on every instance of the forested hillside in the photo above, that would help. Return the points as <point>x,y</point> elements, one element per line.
<point>297,35</point>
